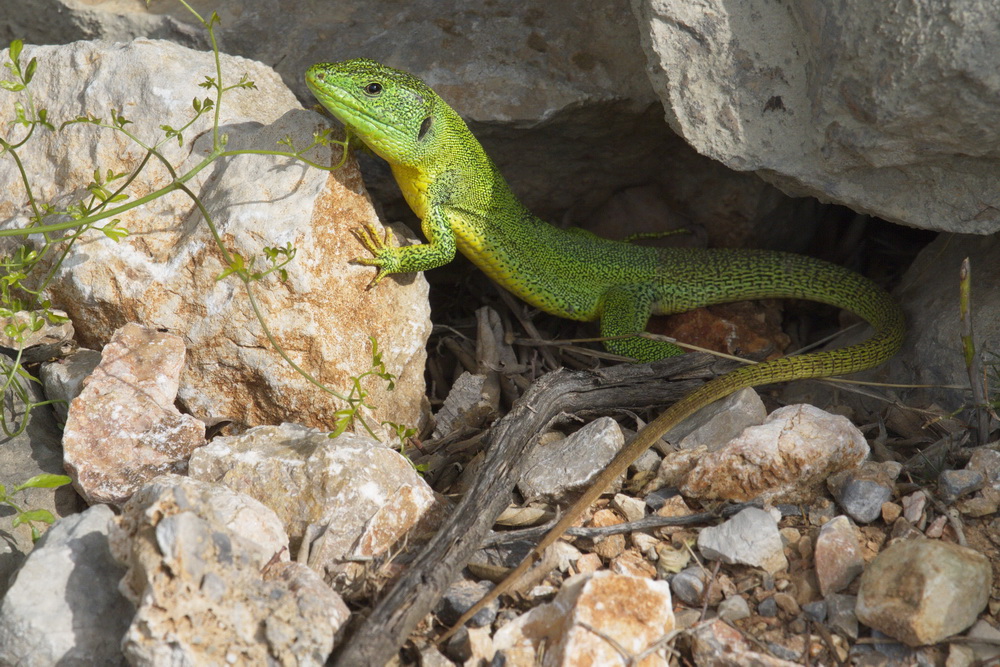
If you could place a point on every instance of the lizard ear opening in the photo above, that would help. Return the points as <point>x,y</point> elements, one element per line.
<point>424,127</point>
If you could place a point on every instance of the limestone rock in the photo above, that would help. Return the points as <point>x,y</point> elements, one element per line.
<point>838,555</point>
<point>34,451</point>
<point>750,538</point>
<point>164,274</point>
<point>922,591</point>
<point>932,351</point>
<point>63,379</point>
<point>717,423</point>
<point>634,612</point>
<point>785,459</point>
<point>208,570</point>
<point>884,109</point>
<point>566,465</point>
<point>64,606</point>
<point>348,499</point>
<point>123,428</point>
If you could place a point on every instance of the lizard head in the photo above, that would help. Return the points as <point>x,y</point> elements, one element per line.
<point>391,111</point>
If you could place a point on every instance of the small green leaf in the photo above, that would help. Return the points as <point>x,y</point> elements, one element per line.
<point>12,86</point>
<point>44,516</point>
<point>29,73</point>
<point>15,50</point>
<point>44,481</point>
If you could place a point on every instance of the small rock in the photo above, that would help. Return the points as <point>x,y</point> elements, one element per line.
<point>648,461</point>
<point>717,643</point>
<point>460,596</point>
<point>689,585</point>
<point>123,429</point>
<point>862,492</point>
<point>987,462</point>
<point>749,538</point>
<point>838,555</point>
<point>63,379</point>
<point>913,508</point>
<point>953,484</point>
<point>891,512</point>
<point>785,459</point>
<point>986,650</point>
<point>734,608</point>
<point>632,612</point>
<point>816,610</point>
<point>786,603</point>
<point>556,469</point>
<point>841,615</point>
<point>611,546</point>
<point>346,499</point>
<point>631,508</point>
<point>632,563</point>
<point>718,423</point>
<point>64,607</point>
<point>922,591</point>
<point>768,608</point>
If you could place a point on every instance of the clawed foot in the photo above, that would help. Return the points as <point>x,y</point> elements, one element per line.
<point>385,256</point>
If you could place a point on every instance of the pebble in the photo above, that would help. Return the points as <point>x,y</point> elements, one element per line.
<point>688,585</point>
<point>749,538</point>
<point>734,608</point>
<point>460,596</point>
<point>862,492</point>
<point>840,614</point>
<point>905,588</point>
<point>837,555</point>
<point>815,610</point>
<point>953,484</point>
<point>768,608</point>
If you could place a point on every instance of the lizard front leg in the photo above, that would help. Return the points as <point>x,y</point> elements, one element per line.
<point>390,258</point>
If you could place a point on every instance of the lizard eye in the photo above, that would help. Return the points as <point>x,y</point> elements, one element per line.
<point>374,88</point>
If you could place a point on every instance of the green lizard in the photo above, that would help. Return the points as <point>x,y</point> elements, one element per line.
<point>464,204</point>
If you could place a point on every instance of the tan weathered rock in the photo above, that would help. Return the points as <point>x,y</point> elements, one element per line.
<point>634,612</point>
<point>922,591</point>
<point>123,429</point>
<point>164,275</point>
<point>207,595</point>
<point>344,501</point>
<point>838,555</point>
<point>785,459</point>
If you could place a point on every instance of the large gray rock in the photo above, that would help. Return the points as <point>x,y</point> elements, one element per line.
<point>345,502</point>
<point>889,109</point>
<point>34,451</point>
<point>932,354</point>
<point>164,275</point>
<point>556,92</point>
<point>64,606</point>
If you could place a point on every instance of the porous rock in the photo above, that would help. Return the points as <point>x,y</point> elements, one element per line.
<point>123,429</point>
<point>207,595</point>
<point>344,500</point>
<point>785,459</point>
<point>164,274</point>
<point>633,611</point>
<point>921,591</point>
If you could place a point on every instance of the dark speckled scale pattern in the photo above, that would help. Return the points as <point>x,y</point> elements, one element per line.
<point>465,203</point>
